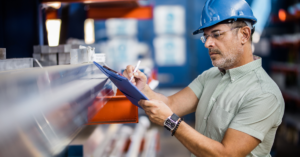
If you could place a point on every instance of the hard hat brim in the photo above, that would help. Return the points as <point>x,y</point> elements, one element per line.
<point>201,28</point>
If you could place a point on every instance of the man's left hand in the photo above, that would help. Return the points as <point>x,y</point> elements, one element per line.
<point>157,110</point>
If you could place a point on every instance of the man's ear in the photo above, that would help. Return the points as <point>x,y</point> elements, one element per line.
<point>246,34</point>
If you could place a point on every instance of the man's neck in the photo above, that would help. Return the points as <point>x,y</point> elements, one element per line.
<point>245,57</point>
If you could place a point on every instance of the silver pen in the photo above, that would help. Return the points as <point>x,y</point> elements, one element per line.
<point>136,68</point>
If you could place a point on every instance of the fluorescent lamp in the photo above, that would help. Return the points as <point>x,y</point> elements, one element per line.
<point>89,31</point>
<point>53,31</point>
<point>55,5</point>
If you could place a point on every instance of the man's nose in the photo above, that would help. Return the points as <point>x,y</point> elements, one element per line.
<point>209,42</point>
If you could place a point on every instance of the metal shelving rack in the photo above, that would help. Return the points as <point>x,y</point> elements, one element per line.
<point>51,111</point>
<point>285,70</point>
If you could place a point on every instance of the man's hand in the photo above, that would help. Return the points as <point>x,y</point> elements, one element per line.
<point>139,80</point>
<point>157,111</point>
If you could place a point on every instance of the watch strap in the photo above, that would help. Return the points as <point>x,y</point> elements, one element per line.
<point>173,132</point>
<point>174,117</point>
<point>167,128</point>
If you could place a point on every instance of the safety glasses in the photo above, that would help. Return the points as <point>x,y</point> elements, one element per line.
<point>215,34</point>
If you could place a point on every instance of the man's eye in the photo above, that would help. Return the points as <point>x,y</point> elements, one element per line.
<point>216,35</point>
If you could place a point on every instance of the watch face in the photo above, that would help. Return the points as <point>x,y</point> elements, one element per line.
<point>170,124</point>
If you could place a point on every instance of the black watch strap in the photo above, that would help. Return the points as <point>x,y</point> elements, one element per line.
<point>167,128</point>
<point>174,117</point>
<point>176,126</point>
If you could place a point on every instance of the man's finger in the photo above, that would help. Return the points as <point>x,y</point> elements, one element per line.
<point>147,112</point>
<point>125,73</point>
<point>142,103</point>
<point>147,103</point>
<point>138,74</point>
<point>129,70</point>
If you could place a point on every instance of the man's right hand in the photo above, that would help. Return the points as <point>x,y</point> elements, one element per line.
<point>139,79</point>
<point>175,102</point>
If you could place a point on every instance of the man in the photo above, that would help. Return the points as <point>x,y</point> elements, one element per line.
<point>238,106</point>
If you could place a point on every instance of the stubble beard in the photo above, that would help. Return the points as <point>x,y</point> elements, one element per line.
<point>226,59</point>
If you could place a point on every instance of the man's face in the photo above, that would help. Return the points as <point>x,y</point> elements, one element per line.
<point>224,50</point>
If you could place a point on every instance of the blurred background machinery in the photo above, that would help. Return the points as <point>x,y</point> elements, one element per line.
<point>54,102</point>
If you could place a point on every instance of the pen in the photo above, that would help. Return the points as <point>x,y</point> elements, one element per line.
<point>137,66</point>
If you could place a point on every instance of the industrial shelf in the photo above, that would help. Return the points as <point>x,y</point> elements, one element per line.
<point>104,9</point>
<point>91,1</point>
<point>285,67</point>
<point>117,109</point>
<point>291,95</point>
<point>47,107</point>
<point>142,13</point>
<point>292,119</point>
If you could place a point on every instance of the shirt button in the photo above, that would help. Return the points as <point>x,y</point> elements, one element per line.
<point>205,118</point>
<point>232,79</point>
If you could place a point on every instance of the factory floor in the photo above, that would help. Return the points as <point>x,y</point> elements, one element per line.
<point>170,146</point>
<point>285,144</point>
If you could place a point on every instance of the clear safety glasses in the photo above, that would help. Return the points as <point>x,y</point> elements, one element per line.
<point>215,34</point>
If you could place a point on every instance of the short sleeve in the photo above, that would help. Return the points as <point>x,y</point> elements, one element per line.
<point>198,84</point>
<point>257,116</point>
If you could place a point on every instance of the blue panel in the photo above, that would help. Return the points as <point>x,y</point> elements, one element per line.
<point>170,2</point>
<point>1,25</point>
<point>145,31</point>
<point>100,31</point>
<point>196,54</point>
<point>75,151</point>
<point>197,59</point>
<point>202,56</point>
<point>77,16</point>
<point>18,29</point>
<point>179,75</point>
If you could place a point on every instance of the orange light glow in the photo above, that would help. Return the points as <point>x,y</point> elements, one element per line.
<point>282,15</point>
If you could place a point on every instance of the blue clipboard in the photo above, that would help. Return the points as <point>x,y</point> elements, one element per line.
<point>124,85</point>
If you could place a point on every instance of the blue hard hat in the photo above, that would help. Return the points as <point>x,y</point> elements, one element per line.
<point>216,11</point>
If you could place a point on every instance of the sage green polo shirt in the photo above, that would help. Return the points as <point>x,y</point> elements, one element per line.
<point>244,98</point>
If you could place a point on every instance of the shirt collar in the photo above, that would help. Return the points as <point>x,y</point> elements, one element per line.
<point>238,72</point>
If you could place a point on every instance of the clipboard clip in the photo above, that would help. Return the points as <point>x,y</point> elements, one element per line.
<point>111,70</point>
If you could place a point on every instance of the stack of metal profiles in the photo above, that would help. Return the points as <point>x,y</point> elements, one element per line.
<point>16,63</point>
<point>116,140</point>
<point>43,109</point>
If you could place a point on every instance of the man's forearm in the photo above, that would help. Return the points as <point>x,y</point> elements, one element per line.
<point>153,95</point>
<point>199,144</point>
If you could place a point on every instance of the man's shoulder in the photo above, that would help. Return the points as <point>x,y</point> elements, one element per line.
<point>266,95</point>
<point>267,83</point>
<point>211,72</point>
<point>263,84</point>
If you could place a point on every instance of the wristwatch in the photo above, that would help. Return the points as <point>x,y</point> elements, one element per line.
<point>171,122</point>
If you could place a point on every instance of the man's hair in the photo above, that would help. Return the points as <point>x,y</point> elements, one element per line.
<point>240,24</point>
